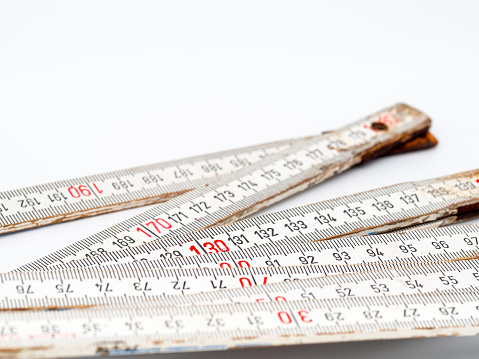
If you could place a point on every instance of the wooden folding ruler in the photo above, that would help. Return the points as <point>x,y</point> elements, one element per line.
<point>171,279</point>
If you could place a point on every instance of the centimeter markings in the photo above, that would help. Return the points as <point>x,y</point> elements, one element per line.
<point>368,212</point>
<point>110,331</point>
<point>124,285</point>
<point>276,177</point>
<point>131,282</point>
<point>117,190</point>
<point>419,246</point>
<point>362,281</point>
<point>134,187</point>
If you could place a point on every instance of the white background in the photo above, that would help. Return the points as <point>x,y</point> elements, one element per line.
<point>87,87</point>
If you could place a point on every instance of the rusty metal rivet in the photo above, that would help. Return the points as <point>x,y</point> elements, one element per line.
<point>379,126</point>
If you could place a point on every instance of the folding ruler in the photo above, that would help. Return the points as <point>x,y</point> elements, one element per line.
<point>172,279</point>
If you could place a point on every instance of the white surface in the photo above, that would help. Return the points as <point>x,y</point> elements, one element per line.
<point>87,87</point>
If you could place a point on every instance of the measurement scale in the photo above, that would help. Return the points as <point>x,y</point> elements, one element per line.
<point>276,177</point>
<point>422,277</point>
<point>127,286</point>
<point>421,246</point>
<point>356,302</point>
<point>130,282</point>
<point>113,191</point>
<point>134,187</point>
<point>106,331</point>
<point>364,281</point>
<point>449,198</point>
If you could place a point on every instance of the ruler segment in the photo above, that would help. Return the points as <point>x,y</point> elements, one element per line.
<point>170,279</point>
<point>218,327</point>
<point>446,200</point>
<point>87,196</point>
<point>430,245</point>
<point>75,198</point>
<point>265,182</point>
<point>363,281</point>
<point>127,285</point>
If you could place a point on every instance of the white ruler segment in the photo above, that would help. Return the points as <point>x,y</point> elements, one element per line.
<point>362,281</point>
<point>418,246</point>
<point>71,199</point>
<point>136,281</point>
<point>180,277</point>
<point>370,212</point>
<point>117,190</point>
<point>33,334</point>
<point>237,195</point>
<point>78,288</point>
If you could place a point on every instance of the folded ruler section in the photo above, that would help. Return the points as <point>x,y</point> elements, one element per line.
<point>438,201</point>
<point>139,186</point>
<point>184,276</point>
<point>152,309</point>
<point>338,282</point>
<point>110,331</point>
<point>263,183</point>
<point>397,266</point>
<point>425,245</point>
<point>87,196</point>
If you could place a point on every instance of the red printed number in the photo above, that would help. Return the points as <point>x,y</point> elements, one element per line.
<point>157,224</point>
<point>83,190</point>
<point>213,247</point>
<point>245,282</point>
<point>227,265</point>
<point>285,318</point>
